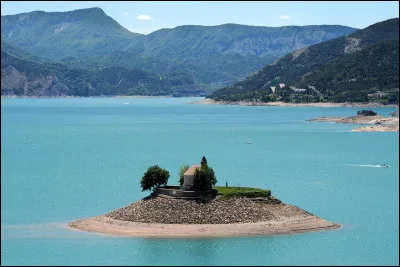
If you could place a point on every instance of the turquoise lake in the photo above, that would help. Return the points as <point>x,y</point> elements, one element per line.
<point>65,159</point>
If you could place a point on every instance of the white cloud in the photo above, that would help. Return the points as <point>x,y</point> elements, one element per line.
<point>144,17</point>
<point>284,17</point>
<point>126,13</point>
<point>142,30</point>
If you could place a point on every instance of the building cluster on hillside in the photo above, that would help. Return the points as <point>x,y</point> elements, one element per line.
<point>296,91</point>
<point>377,94</point>
<point>273,88</point>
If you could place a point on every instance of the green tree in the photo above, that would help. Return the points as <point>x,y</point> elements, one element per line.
<point>182,170</point>
<point>154,177</point>
<point>204,178</point>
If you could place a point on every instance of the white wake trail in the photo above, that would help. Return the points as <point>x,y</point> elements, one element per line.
<point>365,165</point>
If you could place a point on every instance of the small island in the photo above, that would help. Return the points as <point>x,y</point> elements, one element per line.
<point>198,208</point>
<point>374,122</point>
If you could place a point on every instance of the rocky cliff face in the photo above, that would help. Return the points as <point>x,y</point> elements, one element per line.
<point>14,82</point>
<point>191,41</point>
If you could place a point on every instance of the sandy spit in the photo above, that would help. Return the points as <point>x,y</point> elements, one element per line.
<point>287,219</point>
<point>377,123</point>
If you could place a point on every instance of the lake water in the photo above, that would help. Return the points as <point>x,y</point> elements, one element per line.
<point>65,159</point>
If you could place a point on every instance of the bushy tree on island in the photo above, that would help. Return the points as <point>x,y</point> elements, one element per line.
<point>182,170</point>
<point>204,178</point>
<point>154,177</point>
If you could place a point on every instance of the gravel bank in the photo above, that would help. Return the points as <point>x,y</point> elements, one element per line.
<point>208,101</point>
<point>377,123</point>
<point>173,211</point>
<point>167,217</point>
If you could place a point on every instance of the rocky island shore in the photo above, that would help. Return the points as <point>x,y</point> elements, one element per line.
<point>376,123</point>
<point>171,217</point>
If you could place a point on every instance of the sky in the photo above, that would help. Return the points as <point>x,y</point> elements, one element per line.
<point>148,16</point>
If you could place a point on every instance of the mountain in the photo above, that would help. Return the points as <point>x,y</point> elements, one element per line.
<point>17,52</point>
<point>90,32</point>
<point>25,75</point>
<point>214,56</point>
<point>343,69</point>
<point>192,41</point>
<point>209,72</point>
<point>74,33</point>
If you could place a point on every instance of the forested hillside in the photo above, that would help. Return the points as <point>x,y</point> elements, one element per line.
<point>343,69</point>
<point>210,56</point>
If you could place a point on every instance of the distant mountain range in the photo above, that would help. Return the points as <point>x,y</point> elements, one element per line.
<point>23,75</point>
<point>359,67</point>
<point>85,52</point>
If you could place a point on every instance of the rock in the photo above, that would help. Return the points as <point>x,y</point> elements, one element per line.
<point>181,211</point>
<point>366,113</point>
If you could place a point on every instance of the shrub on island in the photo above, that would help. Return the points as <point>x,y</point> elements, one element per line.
<point>242,192</point>
<point>182,170</point>
<point>154,177</point>
<point>204,178</point>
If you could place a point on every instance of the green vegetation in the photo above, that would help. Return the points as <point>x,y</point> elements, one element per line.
<point>242,192</point>
<point>204,178</point>
<point>339,70</point>
<point>182,170</point>
<point>154,177</point>
<point>55,35</point>
<point>23,76</point>
<point>183,61</point>
<point>90,32</point>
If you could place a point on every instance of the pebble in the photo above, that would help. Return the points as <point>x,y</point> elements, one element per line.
<point>180,211</point>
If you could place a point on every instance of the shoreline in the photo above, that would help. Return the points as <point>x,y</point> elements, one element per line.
<point>207,101</point>
<point>282,219</point>
<point>108,226</point>
<point>113,96</point>
<point>376,123</point>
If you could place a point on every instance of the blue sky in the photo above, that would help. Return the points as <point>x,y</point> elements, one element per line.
<point>148,16</point>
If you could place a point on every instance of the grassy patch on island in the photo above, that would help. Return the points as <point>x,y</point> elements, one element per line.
<point>242,191</point>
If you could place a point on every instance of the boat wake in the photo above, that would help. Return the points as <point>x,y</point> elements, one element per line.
<point>369,165</point>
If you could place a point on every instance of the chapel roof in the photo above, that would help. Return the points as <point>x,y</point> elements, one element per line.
<point>191,170</point>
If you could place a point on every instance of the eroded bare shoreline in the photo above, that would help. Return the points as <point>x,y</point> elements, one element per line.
<point>207,101</point>
<point>280,219</point>
<point>99,96</point>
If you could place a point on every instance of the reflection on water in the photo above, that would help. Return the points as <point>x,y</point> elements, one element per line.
<point>44,230</point>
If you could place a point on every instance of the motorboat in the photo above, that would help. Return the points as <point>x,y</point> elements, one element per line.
<point>385,166</point>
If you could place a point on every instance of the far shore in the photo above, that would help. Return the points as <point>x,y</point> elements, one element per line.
<point>208,101</point>
<point>99,96</point>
